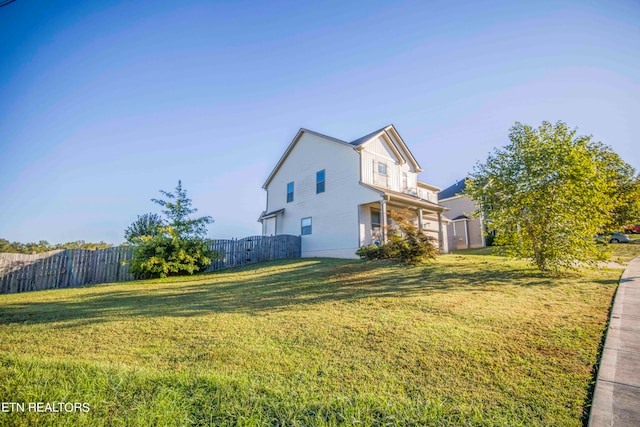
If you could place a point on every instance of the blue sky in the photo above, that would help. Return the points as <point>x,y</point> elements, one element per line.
<point>104,103</point>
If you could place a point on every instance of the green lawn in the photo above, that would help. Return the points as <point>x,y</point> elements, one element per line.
<point>625,252</point>
<point>620,252</point>
<point>467,340</point>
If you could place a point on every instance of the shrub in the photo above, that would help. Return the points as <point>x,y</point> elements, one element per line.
<point>176,249</point>
<point>405,243</point>
<point>165,255</point>
<point>371,252</point>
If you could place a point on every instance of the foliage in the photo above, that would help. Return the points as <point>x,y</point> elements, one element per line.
<point>373,252</point>
<point>489,239</point>
<point>178,248</point>
<point>44,246</point>
<point>405,242</point>
<point>177,210</point>
<point>548,192</point>
<point>625,199</point>
<point>169,255</point>
<point>148,224</point>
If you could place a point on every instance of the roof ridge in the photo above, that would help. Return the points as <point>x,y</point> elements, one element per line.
<point>368,136</point>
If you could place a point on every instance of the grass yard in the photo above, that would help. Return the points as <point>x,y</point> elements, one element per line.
<point>625,252</point>
<point>620,253</point>
<point>467,340</point>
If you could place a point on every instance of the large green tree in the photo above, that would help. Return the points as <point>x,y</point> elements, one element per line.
<point>624,201</point>
<point>548,193</point>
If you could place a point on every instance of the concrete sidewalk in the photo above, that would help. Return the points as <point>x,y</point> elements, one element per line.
<point>616,400</point>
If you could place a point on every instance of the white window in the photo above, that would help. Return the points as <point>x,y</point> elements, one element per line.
<point>290,192</point>
<point>320,180</point>
<point>382,168</point>
<point>375,219</point>
<point>306,226</point>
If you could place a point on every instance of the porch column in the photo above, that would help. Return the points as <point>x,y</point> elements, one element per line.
<point>420,220</point>
<point>440,233</point>
<point>466,232</point>
<point>383,220</point>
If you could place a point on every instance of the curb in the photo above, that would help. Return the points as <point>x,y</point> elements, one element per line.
<point>616,398</point>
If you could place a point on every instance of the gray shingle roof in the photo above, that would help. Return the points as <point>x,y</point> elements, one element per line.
<point>460,217</point>
<point>454,190</point>
<point>366,137</point>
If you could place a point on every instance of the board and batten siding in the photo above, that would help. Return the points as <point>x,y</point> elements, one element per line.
<point>378,151</point>
<point>334,213</point>
<point>427,194</point>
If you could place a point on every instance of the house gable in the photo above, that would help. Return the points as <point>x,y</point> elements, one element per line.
<point>389,140</point>
<point>293,143</point>
<point>332,213</point>
<point>383,147</point>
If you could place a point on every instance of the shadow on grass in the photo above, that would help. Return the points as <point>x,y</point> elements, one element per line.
<point>270,287</point>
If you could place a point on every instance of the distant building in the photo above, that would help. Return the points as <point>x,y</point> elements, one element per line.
<point>337,195</point>
<point>463,230</point>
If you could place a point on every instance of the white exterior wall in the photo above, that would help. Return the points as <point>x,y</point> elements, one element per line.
<point>334,213</point>
<point>427,194</point>
<point>459,206</point>
<point>365,226</point>
<point>269,227</point>
<point>378,151</point>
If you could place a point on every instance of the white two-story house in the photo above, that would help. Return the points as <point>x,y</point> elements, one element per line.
<point>337,195</point>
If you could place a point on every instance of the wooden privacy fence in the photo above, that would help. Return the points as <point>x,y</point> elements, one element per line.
<point>233,253</point>
<point>63,268</point>
<point>68,268</point>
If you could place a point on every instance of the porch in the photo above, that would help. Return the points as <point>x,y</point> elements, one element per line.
<point>374,217</point>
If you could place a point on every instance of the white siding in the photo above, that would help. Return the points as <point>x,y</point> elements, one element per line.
<point>334,213</point>
<point>381,148</point>
<point>459,206</point>
<point>378,151</point>
<point>269,227</point>
<point>365,226</point>
<point>427,195</point>
<point>393,180</point>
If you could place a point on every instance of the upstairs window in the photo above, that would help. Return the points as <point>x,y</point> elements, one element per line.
<point>382,169</point>
<point>306,226</point>
<point>320,182</point>
<point>290,192</point>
